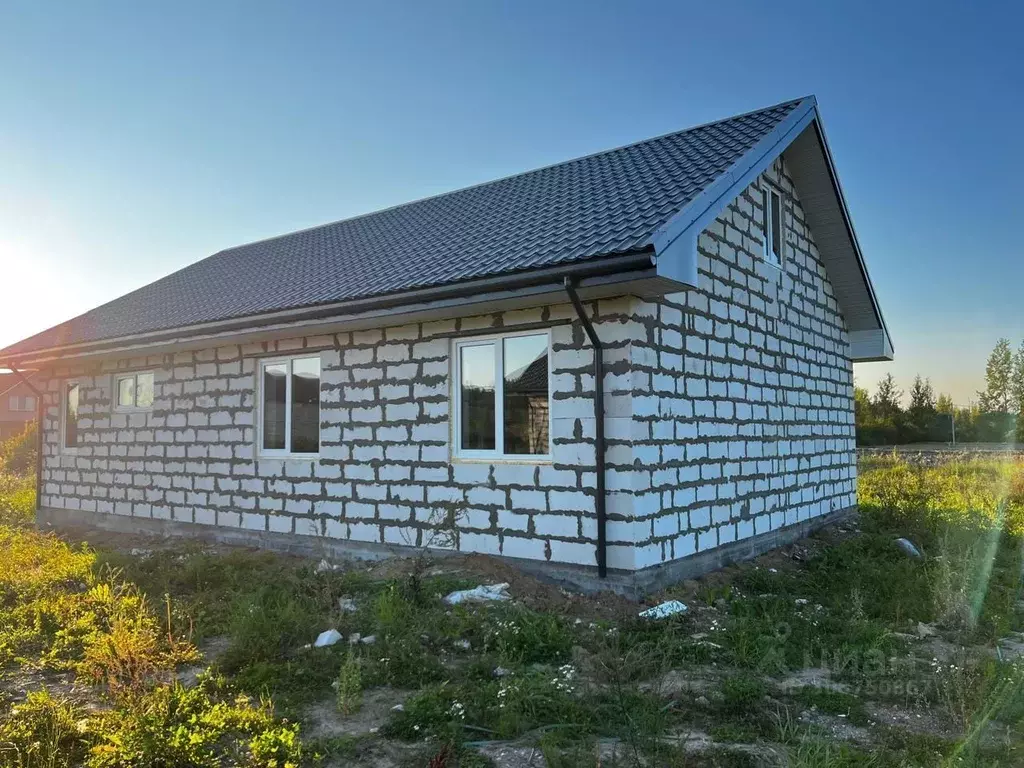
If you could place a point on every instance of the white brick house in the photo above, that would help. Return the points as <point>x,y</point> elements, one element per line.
<point>367,384</point>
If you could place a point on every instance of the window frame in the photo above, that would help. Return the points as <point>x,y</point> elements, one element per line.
<point>116,391</point>
<point>768,194</point>
<point>64,447</point>
<point>498,454</point>
<point>21,400</point>
<point>286,452</point>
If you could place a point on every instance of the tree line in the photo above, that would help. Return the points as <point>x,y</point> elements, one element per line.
<point>997,416</point>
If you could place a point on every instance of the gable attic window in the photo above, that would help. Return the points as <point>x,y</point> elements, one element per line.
<point>134,392</point>
<point>69,421</point>
<point>290,407</point>
<point>772,224</point>
<point>502,396</point>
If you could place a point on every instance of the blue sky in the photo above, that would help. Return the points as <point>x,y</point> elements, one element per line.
<point>136,138</point>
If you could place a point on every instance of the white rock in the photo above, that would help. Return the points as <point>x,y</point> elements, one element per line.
<point>369,640</point>
<point>327,637</point>
<point>398,708</point>
<point>481,594</point>
<point>347,604</point>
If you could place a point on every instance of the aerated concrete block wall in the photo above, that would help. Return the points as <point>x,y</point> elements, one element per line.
<point>384,474</point>
<point>729,414</point>
<point>742,393</point>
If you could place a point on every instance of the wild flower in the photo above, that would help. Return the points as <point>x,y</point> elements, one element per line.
<point>564,678</point>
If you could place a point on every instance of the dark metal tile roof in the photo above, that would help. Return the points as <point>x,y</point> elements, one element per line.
<point>583,209</point>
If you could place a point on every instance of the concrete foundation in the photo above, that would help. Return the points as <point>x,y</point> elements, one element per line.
<point>584,579</point>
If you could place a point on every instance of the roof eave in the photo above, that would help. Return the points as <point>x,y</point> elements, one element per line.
<point>620,273</point>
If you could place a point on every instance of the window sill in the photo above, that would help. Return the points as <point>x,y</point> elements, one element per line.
<point>288,456</point>
<point>127,409</point>
<point>539,460</point>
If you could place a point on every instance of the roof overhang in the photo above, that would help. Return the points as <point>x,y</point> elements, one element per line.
<point>624,274</point>
<point>801,139</point>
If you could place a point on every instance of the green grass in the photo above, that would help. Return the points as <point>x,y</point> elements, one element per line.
<point>123,623</point>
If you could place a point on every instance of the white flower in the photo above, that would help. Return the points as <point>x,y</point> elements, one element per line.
<point>563,681</point>
<point>457,710</point>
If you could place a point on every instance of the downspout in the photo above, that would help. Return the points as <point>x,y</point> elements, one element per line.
<point>602,560</point>
<point>39,433</point>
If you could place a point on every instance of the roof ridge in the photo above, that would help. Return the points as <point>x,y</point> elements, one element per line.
<point>511,176</point>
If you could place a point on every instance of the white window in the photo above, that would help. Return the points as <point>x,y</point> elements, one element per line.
<point>22,403</point>
<point>69,418</point>
<point>134,391</point>
<point>290,407</point>
<point>772,223</point>
<point>503,396</point>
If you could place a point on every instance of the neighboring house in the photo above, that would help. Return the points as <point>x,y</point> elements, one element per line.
<point>17,406</point>
<point>425,369</point>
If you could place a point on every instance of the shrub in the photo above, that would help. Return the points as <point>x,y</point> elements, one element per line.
<point>201,727</point>
<point>18,453</point>
<point>17,499</point>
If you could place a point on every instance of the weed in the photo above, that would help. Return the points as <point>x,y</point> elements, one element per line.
<point>350,685</point>
<point>42,732</point>
<point>269,624</point>
<point>522,636</point>
<point>742,693</point>
<point>204,727</point>
<point>816,752</point>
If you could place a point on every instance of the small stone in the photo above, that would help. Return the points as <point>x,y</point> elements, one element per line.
<point>354,638</point>
<point>501,672</point>
<point>926,630</point>
<point>398,708</point>
<point>702,701</point>
<point>369,640</point>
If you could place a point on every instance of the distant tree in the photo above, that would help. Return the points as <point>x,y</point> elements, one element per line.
<point>1017,381</point>
<point>887,399</point>
<point>920,424</point>
<point>998,394</point>
<point>922,396</point>
<point>1017,392</point>
<point>862,408</point>
<point>944,404</point>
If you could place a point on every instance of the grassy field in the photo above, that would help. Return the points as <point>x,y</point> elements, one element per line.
<point>839,651</point>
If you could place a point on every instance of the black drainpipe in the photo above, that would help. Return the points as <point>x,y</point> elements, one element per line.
<point>39,434</point>
<point>570,288</point>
